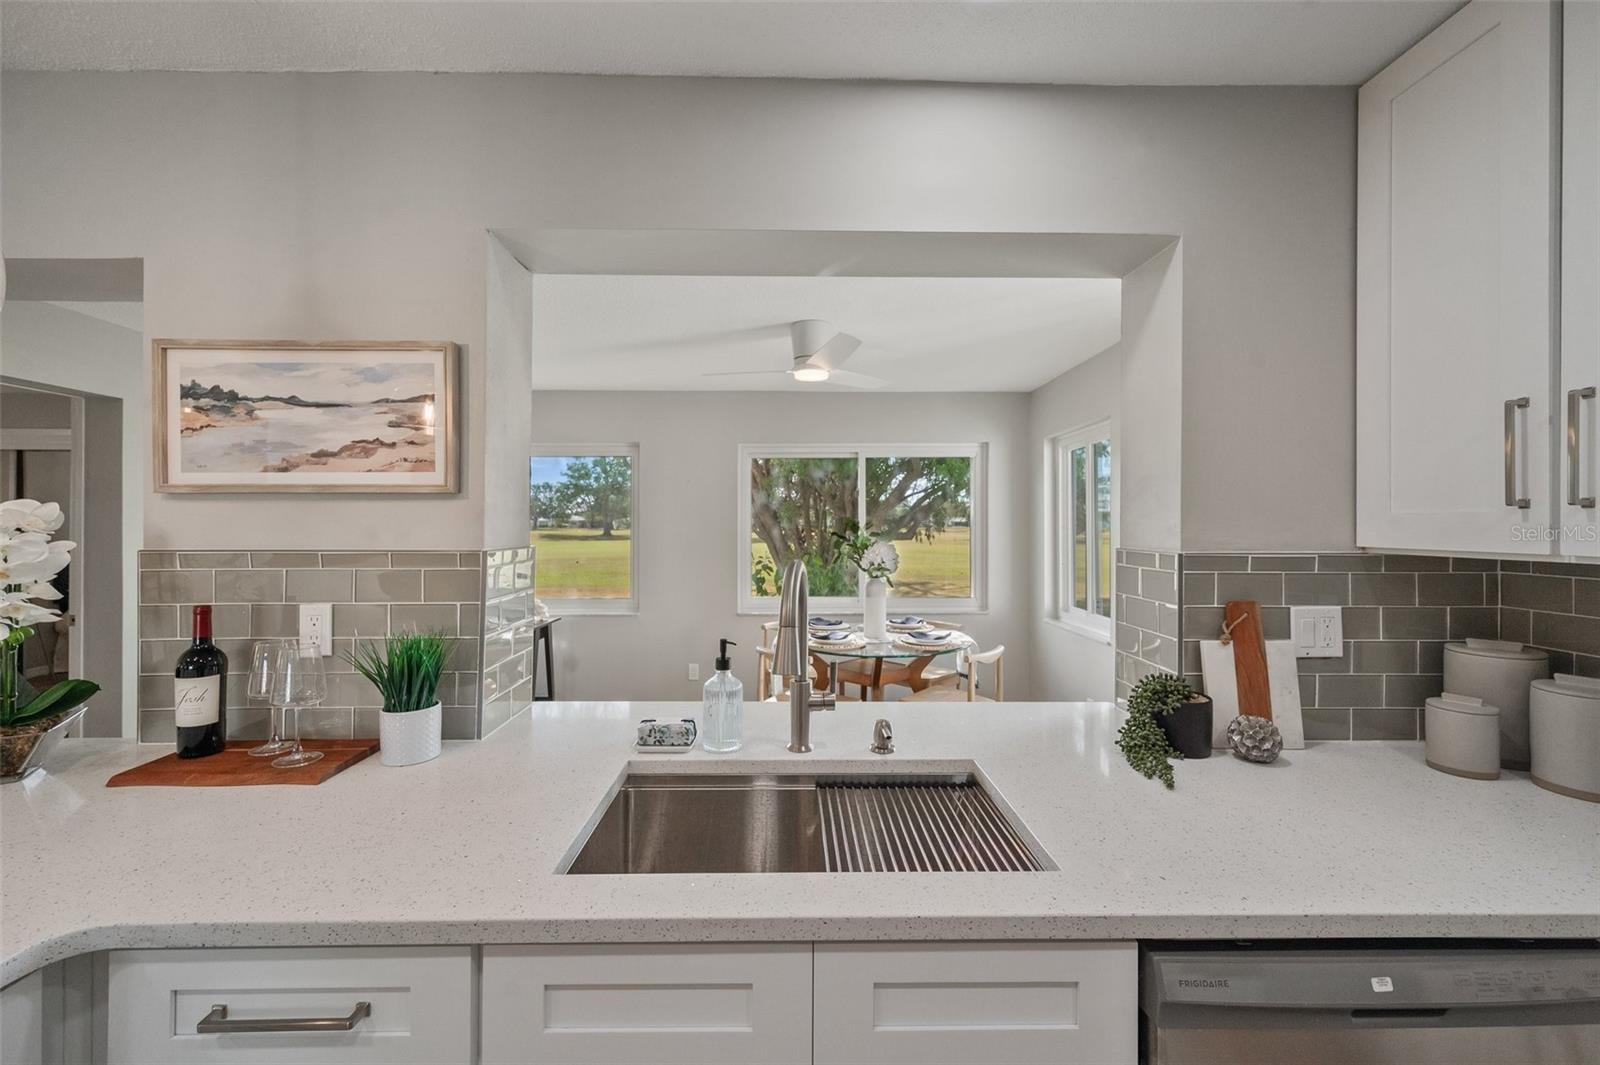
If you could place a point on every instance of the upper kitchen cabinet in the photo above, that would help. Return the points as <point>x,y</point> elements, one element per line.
<point>1456,282</point>
<point>1580,280</point>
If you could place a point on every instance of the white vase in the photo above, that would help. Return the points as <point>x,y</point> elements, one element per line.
<point>410,737</point>
<point>875,610</point>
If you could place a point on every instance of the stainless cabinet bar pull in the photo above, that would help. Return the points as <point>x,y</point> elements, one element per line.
<point>216,1022</point>
<point>1575,398</point>
<point>1512,499</point>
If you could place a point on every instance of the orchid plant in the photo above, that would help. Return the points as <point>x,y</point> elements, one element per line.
<point>876,558</point>
<point>29,562</point>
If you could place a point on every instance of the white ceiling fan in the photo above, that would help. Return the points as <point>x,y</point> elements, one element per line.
<point>820,350</point>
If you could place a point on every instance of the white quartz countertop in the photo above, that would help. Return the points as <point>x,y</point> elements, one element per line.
<point>1338,840</point>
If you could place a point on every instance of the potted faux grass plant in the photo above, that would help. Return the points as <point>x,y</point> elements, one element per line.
<point>30,721</point>
<point>405,670</point>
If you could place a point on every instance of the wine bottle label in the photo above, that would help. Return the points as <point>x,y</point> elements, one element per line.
<point>195,700</point>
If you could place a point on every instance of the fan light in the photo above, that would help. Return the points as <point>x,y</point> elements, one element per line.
<point>810,374</point>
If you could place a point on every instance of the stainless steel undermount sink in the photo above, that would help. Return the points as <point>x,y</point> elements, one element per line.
<point>805,823</point>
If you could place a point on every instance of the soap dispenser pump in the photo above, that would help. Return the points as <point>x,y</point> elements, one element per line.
<point>722,720</point>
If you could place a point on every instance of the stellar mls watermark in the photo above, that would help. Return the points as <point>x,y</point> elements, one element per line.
<point>1576,533</point>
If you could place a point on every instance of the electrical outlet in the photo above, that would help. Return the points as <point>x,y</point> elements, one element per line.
<point>1318,631</point>
<point>316,623</point>
<point>694,670</point>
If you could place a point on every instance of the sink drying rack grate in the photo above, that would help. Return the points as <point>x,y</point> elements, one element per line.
<point>910,828</point>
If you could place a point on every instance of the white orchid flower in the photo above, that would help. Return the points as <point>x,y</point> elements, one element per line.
<point>40,590</point>
<point>30,515</point>
<point>24,613</point>
<point>29,561</point>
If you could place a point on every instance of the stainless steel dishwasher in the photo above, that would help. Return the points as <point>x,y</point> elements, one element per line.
<point>1484,1004</point>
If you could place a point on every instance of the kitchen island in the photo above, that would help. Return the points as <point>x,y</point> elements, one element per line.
<point>1337,840</point>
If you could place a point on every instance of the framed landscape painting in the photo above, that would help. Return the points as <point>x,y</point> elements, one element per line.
<point>286,416</point>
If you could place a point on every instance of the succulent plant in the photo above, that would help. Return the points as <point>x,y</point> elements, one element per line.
<point>1141,739</point>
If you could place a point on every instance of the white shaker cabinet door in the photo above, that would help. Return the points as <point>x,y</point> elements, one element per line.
<point>22,1021</point>
<point>1580,280</point>
<point>644,1004</point>
<point>1455,274</point>
<point>418,1005</point>
<point>963,1003</point>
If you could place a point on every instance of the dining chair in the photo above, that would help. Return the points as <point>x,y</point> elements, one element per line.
<point>766,659</point>
<point>770,686</point>
<point>949,694</point>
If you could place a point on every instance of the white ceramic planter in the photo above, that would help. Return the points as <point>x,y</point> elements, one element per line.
<point>875,610</point>
<point>411,737</point>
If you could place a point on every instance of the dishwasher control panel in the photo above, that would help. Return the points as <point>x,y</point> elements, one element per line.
<point>1357,979</point>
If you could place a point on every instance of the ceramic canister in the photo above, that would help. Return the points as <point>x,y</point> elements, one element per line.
<point>1498,672</point>
<point>1463,736</point>
<point>1564,724</point>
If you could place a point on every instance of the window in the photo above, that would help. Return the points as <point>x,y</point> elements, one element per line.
<point>926,500</point>
<point>581,507</point>
<point>1083,505</point>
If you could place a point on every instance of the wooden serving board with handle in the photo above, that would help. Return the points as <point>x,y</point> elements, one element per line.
<point>234,767</point>
<point>1242,620</point>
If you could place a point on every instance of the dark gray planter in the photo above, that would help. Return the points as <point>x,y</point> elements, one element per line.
<point>1188,727</point>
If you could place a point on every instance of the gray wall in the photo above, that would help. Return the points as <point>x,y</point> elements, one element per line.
<point>61,348</point>
<point>687,529</point>
<point>1067,664</point>
<point>354,205</point>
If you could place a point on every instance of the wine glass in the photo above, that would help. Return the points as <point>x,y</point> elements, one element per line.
<point>263,671</point>
<point>297,682</point>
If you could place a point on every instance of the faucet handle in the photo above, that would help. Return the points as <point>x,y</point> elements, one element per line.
<point>883,737</point>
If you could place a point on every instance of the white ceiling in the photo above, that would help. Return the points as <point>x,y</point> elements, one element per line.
<point>921,334</point>
<point>1143,42</point>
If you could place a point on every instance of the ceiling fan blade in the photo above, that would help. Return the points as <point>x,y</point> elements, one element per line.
<point>744,373</point>
<point>833,354</point>
<point>851,379</point>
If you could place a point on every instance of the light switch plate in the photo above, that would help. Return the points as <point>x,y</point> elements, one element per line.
<point>1317,631</point>
<point>316,623</point>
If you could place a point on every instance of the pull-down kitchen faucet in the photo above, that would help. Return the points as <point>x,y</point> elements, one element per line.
<point>794,657</point>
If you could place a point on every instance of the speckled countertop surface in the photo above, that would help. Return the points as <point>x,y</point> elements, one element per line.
<point>1340,839</point>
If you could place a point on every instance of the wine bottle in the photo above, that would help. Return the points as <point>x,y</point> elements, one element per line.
<point>200,693</point>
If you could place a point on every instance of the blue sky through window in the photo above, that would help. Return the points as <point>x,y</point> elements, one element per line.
<point>548,469</point>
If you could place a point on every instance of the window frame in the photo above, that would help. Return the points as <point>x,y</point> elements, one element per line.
<point>594,606</point>
<point>1063,610</point>
<point>750,604</point>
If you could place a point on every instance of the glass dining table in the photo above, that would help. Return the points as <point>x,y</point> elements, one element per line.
<point>884,661</point>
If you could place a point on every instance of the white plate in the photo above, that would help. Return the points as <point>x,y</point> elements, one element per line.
<point>948,641</point>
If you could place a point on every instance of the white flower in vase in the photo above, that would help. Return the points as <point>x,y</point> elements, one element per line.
<point>30,516</point>
<point>880,560</point>
<point>28,563</point>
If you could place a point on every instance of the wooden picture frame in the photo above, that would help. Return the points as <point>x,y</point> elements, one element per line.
<point>344,416</point>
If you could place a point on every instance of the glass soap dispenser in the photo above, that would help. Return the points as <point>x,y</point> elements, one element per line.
<point>722,723</point>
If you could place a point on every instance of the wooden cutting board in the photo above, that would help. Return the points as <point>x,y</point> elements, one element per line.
<point>1216,663</point>
<point>1242,619</point>
<point>234,767</point>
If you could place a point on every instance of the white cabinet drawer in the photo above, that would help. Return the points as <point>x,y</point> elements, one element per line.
<point>677,1004</point>
<point>998,1003</point>
<point>421,1004</point>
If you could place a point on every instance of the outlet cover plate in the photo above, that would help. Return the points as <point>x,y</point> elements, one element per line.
<point>316,623</point>
<point>1317,631</point>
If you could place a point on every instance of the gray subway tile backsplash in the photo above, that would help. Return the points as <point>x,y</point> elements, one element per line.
<point>1398,612</point>
<point>247,586</point>
<point>256,594</point>
<point>389,586</point>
